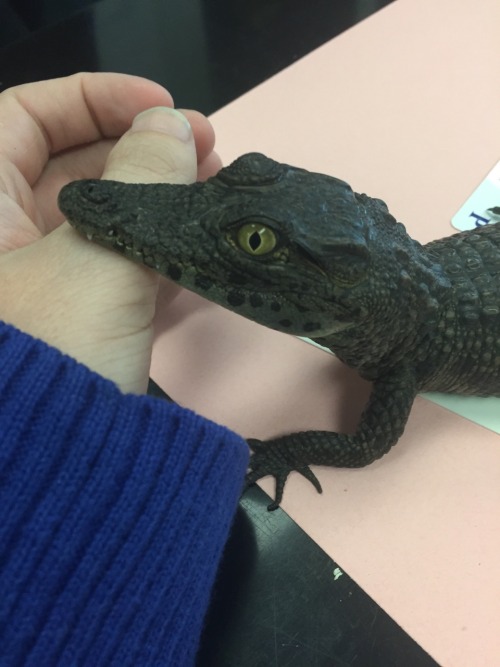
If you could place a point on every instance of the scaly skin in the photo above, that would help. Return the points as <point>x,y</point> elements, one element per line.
<point>302,253</point>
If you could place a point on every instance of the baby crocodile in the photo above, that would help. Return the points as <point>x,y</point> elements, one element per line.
<point>302,253</point>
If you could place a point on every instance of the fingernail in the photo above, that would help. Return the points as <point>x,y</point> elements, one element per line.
<point>163,119</point>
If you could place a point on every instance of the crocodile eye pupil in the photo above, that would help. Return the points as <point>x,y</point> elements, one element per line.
<point>256,239</point>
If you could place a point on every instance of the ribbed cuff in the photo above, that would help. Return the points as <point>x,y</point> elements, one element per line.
<point>114,510</point>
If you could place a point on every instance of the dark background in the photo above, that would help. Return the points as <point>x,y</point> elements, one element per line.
<point>279,599</point>
<point>207,52</point>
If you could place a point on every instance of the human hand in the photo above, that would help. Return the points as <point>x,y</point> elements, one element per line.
<point>88,302</point>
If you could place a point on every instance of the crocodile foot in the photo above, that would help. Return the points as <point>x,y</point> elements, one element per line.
<point>273,457</point>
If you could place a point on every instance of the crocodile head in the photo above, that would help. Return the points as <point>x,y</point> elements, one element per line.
<point>290,249</point>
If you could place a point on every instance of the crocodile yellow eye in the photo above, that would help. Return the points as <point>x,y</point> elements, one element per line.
<point>256,239</point>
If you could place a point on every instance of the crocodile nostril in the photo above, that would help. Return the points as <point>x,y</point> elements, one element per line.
<point>95,193</point>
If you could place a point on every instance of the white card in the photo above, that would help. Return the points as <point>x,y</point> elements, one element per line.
<point>483,206</point>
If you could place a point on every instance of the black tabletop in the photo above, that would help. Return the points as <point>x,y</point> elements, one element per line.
<point>279,598</point>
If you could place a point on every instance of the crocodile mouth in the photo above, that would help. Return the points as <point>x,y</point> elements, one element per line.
<point>119,244</point>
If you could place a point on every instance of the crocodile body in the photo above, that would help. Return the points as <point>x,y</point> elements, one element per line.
<point>304,254</point>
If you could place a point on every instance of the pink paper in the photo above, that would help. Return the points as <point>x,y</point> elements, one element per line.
<point>405,106</point>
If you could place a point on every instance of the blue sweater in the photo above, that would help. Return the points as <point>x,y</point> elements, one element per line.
<point>114,510</point>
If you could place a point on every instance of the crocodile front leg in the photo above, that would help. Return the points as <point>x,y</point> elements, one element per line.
<point>381,425</point>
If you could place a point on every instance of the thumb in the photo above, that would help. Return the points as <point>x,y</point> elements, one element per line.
<point>158,148</point>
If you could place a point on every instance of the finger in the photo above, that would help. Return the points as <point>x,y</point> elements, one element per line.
<point>158,148</point>
<point>209,167</point>
<point>40,119</point>
<point>203,133</point>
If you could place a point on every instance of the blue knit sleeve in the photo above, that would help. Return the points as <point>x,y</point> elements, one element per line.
<point>114,510</point>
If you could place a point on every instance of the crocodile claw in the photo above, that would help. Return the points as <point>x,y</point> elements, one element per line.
<point>271,457</point>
